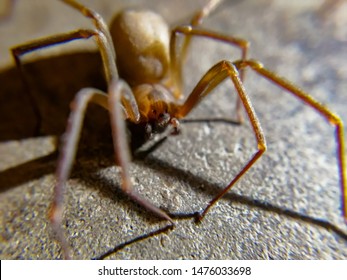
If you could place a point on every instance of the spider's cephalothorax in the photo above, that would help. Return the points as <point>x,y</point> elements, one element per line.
<point>156,107</point>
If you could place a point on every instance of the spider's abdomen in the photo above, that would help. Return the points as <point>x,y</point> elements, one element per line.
<point>141,40</point>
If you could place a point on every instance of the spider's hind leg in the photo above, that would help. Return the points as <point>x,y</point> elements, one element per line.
<point>317,106</point>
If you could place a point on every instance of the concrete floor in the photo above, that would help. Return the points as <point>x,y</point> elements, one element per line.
<point>286,207</point>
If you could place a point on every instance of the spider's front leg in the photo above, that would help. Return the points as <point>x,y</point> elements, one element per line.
<point>117,90</point>
<point>224,69</point>
<point>177,58</point>
<point>209,81</point>
<point>120,103</point>
<point>67,156</point>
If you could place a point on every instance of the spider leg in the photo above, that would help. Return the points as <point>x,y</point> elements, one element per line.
<point>176,60</point>
<point>223,69</point>
<point>128,102</point>
<point>197,20</point>
<point>105,50</point>
<point>69,147</point>
<point>116,91</point>
<point>67,156</point>
<point>98,21</point>
<point>321,109</point>
<point>208,82</point>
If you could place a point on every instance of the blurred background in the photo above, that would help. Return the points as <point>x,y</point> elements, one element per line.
<point>285,207</point>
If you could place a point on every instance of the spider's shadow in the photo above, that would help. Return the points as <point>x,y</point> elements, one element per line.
<point>194,180</point>
<point>146,159</point>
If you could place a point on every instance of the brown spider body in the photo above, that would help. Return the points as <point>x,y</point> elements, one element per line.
<point>142,42</point>
<point>143,69</point>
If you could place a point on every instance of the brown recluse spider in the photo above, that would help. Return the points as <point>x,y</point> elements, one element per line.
<point>145,88</point>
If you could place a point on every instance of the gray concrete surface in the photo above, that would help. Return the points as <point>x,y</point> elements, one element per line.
<point>286,207</point>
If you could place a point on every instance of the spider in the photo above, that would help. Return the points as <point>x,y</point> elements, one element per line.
<point>143,68</point>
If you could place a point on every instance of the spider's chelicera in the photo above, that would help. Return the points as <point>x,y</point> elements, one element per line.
<point>156,108</point>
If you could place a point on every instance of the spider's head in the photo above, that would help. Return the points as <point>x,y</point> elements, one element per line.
<point>159,121</point>
<point>156,106</point>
